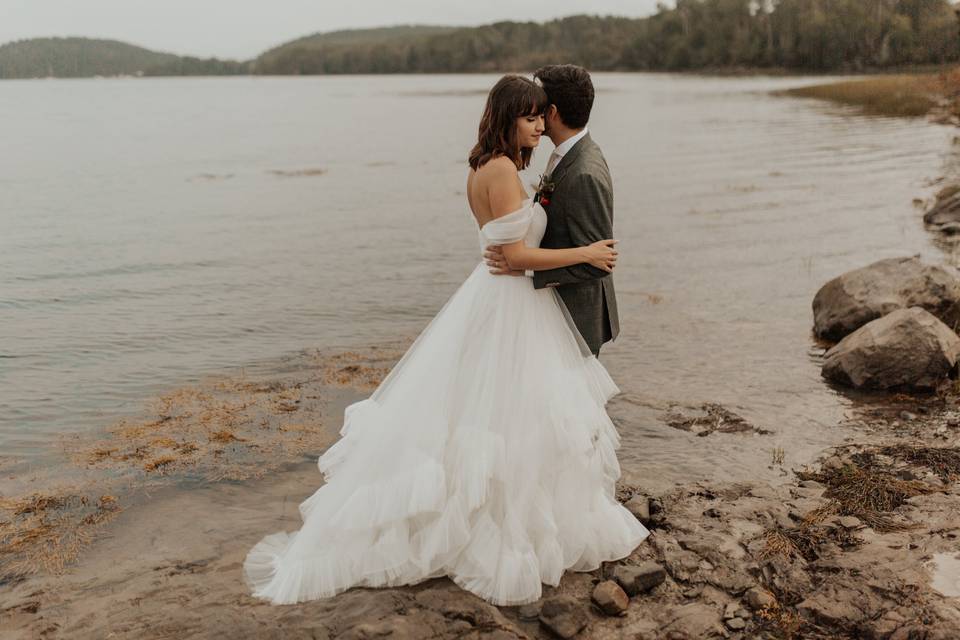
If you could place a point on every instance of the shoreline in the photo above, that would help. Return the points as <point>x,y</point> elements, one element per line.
<point>784,72</point>
<point>932,93</point>
<point>180,533</point>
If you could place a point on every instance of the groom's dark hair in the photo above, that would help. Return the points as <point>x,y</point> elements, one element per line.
<point>570,89</point>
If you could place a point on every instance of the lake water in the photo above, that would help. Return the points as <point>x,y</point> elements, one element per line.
<point>153,231</point>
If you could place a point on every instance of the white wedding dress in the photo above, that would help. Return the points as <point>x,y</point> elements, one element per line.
<point>485,455</point>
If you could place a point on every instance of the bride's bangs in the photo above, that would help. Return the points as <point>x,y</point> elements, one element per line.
<point>535,102</point>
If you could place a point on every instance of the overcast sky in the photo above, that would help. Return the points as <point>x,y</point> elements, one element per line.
<point>244,28</point>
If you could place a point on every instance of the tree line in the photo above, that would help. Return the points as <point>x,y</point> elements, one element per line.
<point>87,57</point>
<point>801,35</point>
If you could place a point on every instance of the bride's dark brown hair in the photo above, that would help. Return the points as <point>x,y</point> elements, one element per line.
<point>512,97</point>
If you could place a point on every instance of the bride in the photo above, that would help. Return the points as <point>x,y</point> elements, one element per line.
<point>486,454</point>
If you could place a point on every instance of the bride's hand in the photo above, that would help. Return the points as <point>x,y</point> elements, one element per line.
<point>602,255</point>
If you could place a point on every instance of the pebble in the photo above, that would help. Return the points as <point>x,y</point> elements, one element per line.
<point>611,599</point>
<point>529,611</point>
<point>563,615</point>
<point>736,623</point>
<point>758,598</point>
<point>833,463</point>
<point>642,577</point>
<point>639,506</point>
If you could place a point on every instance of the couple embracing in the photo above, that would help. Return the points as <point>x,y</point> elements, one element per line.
<point>486,454</point>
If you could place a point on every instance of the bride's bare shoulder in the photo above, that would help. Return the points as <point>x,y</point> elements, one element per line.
<point>496,169</point>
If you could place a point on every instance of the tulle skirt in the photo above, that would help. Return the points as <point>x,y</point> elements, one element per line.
<point>485,455</point>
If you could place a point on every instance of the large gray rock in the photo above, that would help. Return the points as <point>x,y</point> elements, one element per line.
<point>850,301</point>
<point>905,348</point>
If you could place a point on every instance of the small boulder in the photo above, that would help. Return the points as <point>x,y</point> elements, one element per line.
<point>758,598</point>
<point>906,348</point>
<point>853,299</point>
<point>563,615</point>
<point>611,599</point>
<point>639,506</point>
<point>635,579</point>
<point>530,611</point>
<point>736,624</point>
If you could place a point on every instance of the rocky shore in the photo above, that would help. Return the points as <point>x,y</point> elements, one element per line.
<point>860,545</point>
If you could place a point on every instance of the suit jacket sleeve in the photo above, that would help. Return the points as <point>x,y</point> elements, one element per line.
<point>590,219</point>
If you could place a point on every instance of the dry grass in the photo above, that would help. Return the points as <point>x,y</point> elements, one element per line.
<point>943,461</point>
<point>811,532</point>
<point>863,488</point>
<point>892,95</point>
<point>868,491</point>
<point>778,455</point>
<point>45,532</point>
<point>784,623</point>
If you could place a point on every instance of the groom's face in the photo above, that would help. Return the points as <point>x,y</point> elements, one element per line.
<point>550,119</point>
<point>548,116</point>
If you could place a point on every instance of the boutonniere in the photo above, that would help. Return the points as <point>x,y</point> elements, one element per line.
<point>544,190</point>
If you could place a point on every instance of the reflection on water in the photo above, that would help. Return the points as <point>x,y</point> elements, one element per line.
<point>155,231</point>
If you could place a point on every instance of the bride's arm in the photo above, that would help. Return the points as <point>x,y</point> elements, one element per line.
<point>521,257</point>
<point>505,197</point>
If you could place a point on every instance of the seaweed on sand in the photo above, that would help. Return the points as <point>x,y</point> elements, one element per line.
<point>868,490</point>
<point>47,531</point>
<point>943,461</point>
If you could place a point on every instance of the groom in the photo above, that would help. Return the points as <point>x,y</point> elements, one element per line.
<point>577,193</point>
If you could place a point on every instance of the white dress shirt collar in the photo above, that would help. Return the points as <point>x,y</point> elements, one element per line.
<point>566,145</point>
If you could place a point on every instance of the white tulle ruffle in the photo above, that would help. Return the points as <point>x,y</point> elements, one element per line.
<point>486,455</point>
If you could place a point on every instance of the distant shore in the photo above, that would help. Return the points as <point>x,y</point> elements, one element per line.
<point>927,92</point>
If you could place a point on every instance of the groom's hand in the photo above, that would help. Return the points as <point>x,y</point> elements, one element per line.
<point>493,256</point>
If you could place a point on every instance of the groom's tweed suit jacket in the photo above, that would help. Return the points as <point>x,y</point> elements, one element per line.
<point>580,211</point>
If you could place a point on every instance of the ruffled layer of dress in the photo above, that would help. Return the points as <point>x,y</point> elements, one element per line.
<point>485,455</point>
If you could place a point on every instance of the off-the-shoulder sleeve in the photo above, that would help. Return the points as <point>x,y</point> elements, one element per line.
<point>509,228</point>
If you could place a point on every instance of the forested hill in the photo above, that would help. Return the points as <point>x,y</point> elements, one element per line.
<point>86,57</point>
<point>801,35</point>
<point>808,35</point>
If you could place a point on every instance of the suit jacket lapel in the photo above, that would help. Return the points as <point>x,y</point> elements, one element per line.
<point>568,159</point>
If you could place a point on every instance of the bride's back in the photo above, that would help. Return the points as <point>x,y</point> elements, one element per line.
<point>494,189</point>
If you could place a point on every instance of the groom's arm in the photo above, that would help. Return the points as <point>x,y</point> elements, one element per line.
<point>592,220</point>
